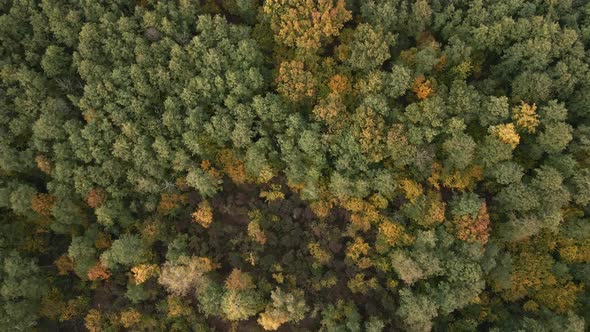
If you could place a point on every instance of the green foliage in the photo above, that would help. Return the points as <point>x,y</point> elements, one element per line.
<point>368,48</point>
<point>285,307</point>
<point>358,165</point>
<point>343,316</point>
<point>21,290</point>
<point>128,250</point>
<point>205,183</point>
<point>240,305</point>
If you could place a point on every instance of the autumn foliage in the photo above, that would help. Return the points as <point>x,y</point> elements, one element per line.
<point>295,165</point>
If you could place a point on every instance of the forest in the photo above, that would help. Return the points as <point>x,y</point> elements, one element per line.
<point>295,165</point>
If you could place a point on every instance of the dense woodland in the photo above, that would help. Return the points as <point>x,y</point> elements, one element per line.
<point>295,165</point>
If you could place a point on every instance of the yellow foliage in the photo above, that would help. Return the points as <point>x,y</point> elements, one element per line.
<point>255,232</point>
<point>392,284</point>
<point>435,177</point>
<point>207,167</point>
<point>370,132</point>
<point>464,69</point>
<point>321,208</point>
<point>394,234</point>
<point>92,320</point>
<point>435,210</point>
<point>354,204</point>
<point>358,284</point>
<point>329,108</point>
<point>462,180</point>
<point>278,277</point>
<point>272,320</point>
<point>378,201</point>
<point>294,82</point>
<point>169,202</point>
<point>318,253</point>
<point>339,84</point>
<point>143,272</point>
<point>204,214</point>
<point>362,213</point>
<point>357,249</point>
<point>176,308</point>
<point>72,309</point>
<point>530,273</point>
<point>322,283</point>
<point>204,264</point>
<point>559,298</point>
<point>573,252</point>
<point>296,187</point>
<point>238,280</point>
<point>130,317</point>
<point>531,306</point>
<point>411,189</point>
<point>526,117</point>
<point>422,87</point>
<point>273,194</point>
<point>359,222</point>
<point>506,133</point>
<point>305,23</point>
<point>232,166</point>
<point>370,84</point>
<point>266,174</point>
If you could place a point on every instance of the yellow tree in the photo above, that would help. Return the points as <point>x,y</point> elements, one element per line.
<point>143,272</point>
<point>422,87</point>
<point>526,117</point>
<point>305,24</point>
<point>294,82</point>
<point>232,166</point>
<point>506,133</point>
<point>204,214</point>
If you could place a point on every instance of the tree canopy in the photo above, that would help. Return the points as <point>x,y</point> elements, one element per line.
<point>329,165</point>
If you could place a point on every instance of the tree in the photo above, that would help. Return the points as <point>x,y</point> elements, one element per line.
<point>367,49</point>
<point>21,291</point>
<point>506,133</point>
<point>426,161</point>
<point>186,275</point>
<point>460,151</point>
<point>241,299</point>
<point>55,61</point>
<point>416,310</point>
<point>128,250</point>
<point>526,117</point>
<point>284,307</point>
<point>342,316</point>
<point>294,82</point>
<point>306,24</point>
